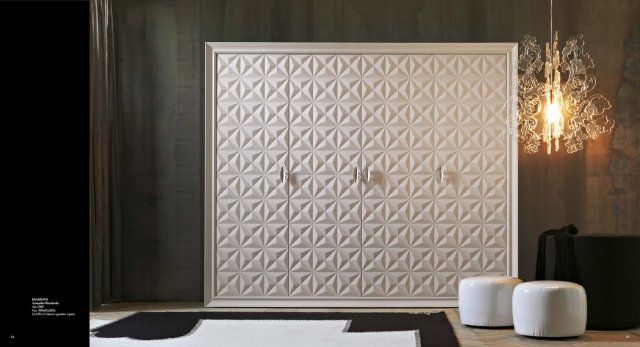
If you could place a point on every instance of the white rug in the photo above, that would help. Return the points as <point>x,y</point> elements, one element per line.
<point>266,333</point>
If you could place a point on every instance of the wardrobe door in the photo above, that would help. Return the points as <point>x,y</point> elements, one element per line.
<point>387,122</point>
<point>251,255</point>
<point>465,161</point>
<point>324,236</point>
<point>435,209</point>
<point>421,178</point>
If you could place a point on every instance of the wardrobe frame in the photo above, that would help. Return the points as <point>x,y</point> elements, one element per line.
<point>510,50</point>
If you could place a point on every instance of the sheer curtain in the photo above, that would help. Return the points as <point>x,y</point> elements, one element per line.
<point>105,228</point>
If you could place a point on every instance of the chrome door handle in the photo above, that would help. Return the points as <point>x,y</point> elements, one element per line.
<point>439,174</point>
<point>284,176</point>
<point>356,175</point>
<point>367,174</point>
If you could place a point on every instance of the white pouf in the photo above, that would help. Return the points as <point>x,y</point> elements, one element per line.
<point>549,309</point>
<point>486,300</point>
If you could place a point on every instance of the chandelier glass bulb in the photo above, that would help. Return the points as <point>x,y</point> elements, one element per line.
<point>553,118</point>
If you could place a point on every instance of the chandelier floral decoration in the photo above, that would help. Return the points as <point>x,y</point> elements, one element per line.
<point>553,109</point>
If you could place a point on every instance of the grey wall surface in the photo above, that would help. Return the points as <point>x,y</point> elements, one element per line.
<point>159,50</point>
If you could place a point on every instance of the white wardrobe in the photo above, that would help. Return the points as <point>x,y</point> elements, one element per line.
<point>357,174</point>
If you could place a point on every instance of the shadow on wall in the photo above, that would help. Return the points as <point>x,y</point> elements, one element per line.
<point>625,146</point>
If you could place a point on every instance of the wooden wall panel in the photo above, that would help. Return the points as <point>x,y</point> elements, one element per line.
<point>160,53</point>
<point>613,165</point>
<point>440,21</point>
<point>158,62</point>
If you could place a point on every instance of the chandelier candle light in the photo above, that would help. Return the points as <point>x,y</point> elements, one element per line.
<point>565,109</point>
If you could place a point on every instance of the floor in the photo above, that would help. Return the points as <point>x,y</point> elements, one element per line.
<point>466,336</point>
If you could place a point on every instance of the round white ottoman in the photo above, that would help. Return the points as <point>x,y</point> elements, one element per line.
<point>549,309</point>
<point>486,300</point>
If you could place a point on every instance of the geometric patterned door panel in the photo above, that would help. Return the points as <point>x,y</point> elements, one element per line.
<point>469,205</point>
<point>393,252</point>
<point>424,230</point>
<point>357,174</point>
<point>251,209</point>
<point>324,228</point>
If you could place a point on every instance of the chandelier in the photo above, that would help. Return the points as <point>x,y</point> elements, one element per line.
<point>556,109</point>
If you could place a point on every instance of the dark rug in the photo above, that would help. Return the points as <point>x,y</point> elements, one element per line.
<point>435,329</point>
